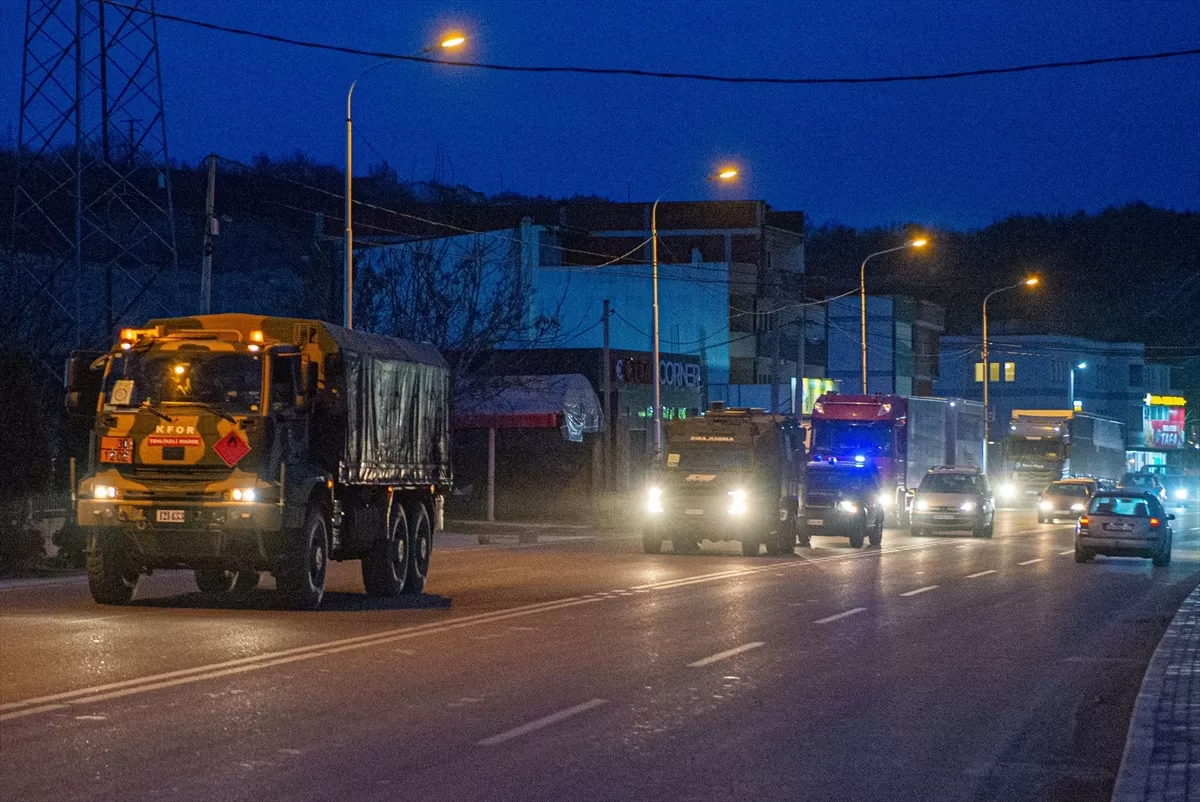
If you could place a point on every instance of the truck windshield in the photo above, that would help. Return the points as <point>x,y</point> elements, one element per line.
<point>693,457</point>
<point>843,438</point>
<point>229,381</point>
<point>1039,449</point>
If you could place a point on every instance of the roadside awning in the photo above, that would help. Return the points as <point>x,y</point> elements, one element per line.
<point>564,401</point>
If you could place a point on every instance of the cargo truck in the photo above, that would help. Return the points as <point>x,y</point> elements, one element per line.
<point>729,474</point>
<point>1045,445</point>
<point>236,444</point>
<point>901,437</point>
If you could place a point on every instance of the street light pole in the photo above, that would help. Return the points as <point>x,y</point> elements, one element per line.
<point>727,174</point>
<point>862,298</point>
<point>987,377</point>
<point>453,40</point>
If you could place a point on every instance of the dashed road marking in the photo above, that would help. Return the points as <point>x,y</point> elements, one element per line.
<point>978,574</point>
<point>719,656</point>
<point>1065,553</point>
<point>925,589</point>
<point>1031,562</point>
<point>545,721</point>
<point>827,619</point>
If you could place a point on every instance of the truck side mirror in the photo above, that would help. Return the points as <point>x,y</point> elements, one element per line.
<point>83,380</point>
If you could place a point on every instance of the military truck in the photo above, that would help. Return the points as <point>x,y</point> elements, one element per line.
<point>730,474</point>
<point>235,444</point>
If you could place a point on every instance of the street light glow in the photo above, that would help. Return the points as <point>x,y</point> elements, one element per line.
<point>454,40</point>
<point>1082,365</point>
<point>919,243</point>
<point>728,173</point>
<point>1032,282</point>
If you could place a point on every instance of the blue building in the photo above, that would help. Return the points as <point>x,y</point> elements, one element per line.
<point>903,341</point>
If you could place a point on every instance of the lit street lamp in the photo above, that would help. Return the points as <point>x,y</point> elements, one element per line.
<point>862,298</point>
<point>1029,282</point>
<point>450,41</point>
<point>1071,396</point>
<point>725,174</point>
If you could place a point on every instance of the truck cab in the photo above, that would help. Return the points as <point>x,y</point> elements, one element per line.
<point>730,474</point>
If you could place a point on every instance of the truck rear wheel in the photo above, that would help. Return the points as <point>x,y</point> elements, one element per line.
<point>875,536</point>
<point>112,579</point>
<point>385,565</point>
<point>246,581</point>
<point>420,539</point>
<point>215,581</point>
<point>301,576</point>
<point>856,540</point>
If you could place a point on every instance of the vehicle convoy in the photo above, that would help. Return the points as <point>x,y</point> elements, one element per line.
<point>901,437</point>
<point>1124,523</point>
<point>951,498</point>
<point>234,444</point>
<point>1045,445</point>
<point>729,474</point>
<point>1067,498</point>
<point>842,499</point>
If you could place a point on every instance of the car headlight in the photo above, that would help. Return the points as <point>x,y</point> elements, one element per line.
<point>1076,508</point>
<point>1045,505</point>
<point>104,491</point>
<point>1007,490</point>
<point>654,500</point>
<point>737,502</point>
<point>1180,493</point>
<point>243,494</point>
<point>967,506</point>
<point>883,499</point>
<point>922,505</point>
<point>846,505</point>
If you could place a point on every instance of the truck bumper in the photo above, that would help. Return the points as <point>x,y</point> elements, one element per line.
<point>702,526</point>
<point>170,534</point>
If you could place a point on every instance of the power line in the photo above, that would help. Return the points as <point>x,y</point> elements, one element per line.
<point>685,76</point>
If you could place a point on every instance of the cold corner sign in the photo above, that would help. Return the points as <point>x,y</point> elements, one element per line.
<point>671,373</point>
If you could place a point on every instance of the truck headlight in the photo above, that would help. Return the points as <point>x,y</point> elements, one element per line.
<point>921,505</point>
<point>1181,494</point>
<point>737,502</point>
<point>1008,490</point>
<point>1045,505</point>
<point>243,494</point>
<point>846,505</point>
<point>967,506</point>
<point>654,499</point>
<point>104,491</point>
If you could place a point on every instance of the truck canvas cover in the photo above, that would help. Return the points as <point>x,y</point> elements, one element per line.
<point>383,408</point>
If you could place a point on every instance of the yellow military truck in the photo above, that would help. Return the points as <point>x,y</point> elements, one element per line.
<point>236,444</point>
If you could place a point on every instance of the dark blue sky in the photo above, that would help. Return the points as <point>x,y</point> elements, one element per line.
<point>958,154</point>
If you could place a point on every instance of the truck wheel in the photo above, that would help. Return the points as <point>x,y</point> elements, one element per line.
<point>856,540</point>
<point>301,577</point>
<point>876,535</point>
<point>385,565</point>
<point>787,539</point>
<point>750,546</point>
<point>216,581</point>
<point>805,541</point>
<point>111,578</point>
<point>420,538</point>
<point>651,543</point>
<point>246,581</point>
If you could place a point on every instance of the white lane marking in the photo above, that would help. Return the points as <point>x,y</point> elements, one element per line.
<point>1065,553</point>
<point>981,573</point>
<point>540,723</point>
<point>719,656</point>
<point>835,617</point>
<point>1031,562</point>
<point>925,589</point>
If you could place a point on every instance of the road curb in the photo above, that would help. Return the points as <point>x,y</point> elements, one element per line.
<point>1164,732</point>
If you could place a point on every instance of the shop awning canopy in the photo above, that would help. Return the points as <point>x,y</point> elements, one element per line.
<point>564,401</point>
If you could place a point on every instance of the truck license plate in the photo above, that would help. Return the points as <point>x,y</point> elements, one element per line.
<point>815,522</point>
<point>170,516</point>
<point>693,512</point>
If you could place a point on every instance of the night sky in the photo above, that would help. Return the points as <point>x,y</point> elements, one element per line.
<point>957,154</point>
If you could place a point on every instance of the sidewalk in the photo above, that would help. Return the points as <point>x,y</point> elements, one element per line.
<point>1162,753</point>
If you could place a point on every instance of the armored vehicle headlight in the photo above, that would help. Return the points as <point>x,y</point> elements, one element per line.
<point>654,500</point>
<point>737,502</point>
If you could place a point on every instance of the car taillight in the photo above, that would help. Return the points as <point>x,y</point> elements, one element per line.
<point>1154,523</point>
<point>1083,523</point>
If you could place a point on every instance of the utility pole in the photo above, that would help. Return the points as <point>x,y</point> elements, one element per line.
<point>606,385</point>
<point>210,231</point>
<point>773,322</point>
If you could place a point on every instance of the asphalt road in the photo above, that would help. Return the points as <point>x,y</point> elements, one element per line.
<point>929,669</point>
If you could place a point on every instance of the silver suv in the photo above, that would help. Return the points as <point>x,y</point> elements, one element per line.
<point>1124,523</point>
<point>954,498</point>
